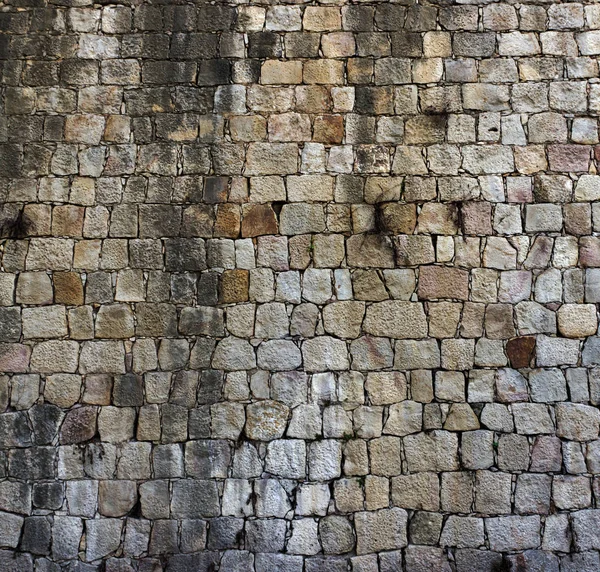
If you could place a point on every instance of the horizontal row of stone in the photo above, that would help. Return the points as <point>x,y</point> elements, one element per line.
<point>321,353</point>
<point>371,119</point>
<point>131,196</point>
<point>277,43</point>
<point>387,529</point>
<point>293,388</point>
<point>360,251</point>
<point>283,159</point>
<point>345,319</point>
<point>315,285</point>
<point>230,220</point>
<point>481,492</point>
<point>267,419</point>
<point>122,19</point>
<point>330,535</point>
<point>359,71</point>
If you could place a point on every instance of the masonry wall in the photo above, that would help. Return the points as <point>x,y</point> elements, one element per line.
<point>299,287</point>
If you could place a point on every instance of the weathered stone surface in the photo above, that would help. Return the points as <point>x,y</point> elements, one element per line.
<point>274,274</point>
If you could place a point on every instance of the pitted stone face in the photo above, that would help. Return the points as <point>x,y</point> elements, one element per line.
<point>299,286</point>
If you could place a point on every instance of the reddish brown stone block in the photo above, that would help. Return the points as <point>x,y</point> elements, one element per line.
<point>258,220</point>
<point>68,288</point>
<point>436,282</point>
<point>569,158</point>
<point>476,218</point>
<point>520,351</point>
<point>329,129</point>
<point>67,220</point>
<point>589,251</point>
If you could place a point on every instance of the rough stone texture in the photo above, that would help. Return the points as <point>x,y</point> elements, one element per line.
<point>299,286</point>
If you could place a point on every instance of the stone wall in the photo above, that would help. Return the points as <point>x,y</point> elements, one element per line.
<point>299,287</point>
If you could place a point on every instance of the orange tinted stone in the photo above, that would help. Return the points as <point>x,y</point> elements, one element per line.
<point>234,286</point>
<point>329,129</point>
<point>68,288</point>
<point>228,221</point>
<point>258,219</point>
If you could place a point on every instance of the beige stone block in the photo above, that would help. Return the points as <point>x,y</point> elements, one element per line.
<point>278,72</point>
<point>322,19</point>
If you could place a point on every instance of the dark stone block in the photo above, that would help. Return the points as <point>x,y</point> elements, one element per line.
<point>584,562</point>
<point>98,288</point>
<point>195,498</point>
<point>180,18</point>
<point>184,386</point>
<point>155,320</point>
<point>146,254</point>
<point>215,18</point>
<point>264,45</point>
<point>199,562</point>
<point>25,129</point>
<point>11,160</point>
<point>421,18</point>
<point>167,461</point>
<point>225,533</point>
<point>54,127</point>
<point>148,18</point>
<point>214,72</point>
<point>266,535</point>
<point>198,99</point>
<point>520,351</point>
<point>407,45</point>
<point>48,495</point>
<point>15,562</point>
<point>45,565</point>
<point>477,44</point>
<point>211,386</point>
<point>533,561</point>
<point>37,157</point>
<point>163,539</point>
<point>32,464</point>
<point>14,430</point>
<point>10,324</point>
<point>167,72</point>
<point>324,564</point>
<point>79,72</point>
<point>118,565</point>
<point>128,390</point>
<point>41,74</point>
<point>183,288</point>
<point>174,423</point>
<point>207,458</point>
<point>144,101</point>
<point>279,562</point>
<point>202,321</point>
<point>468,560</point>
<point>154,46</point>
<point>199,422</point>
<point>208,289</point>
<point>45,420</point>
<point>238,561</point>
<point>358,18</point>
<point>193,46</point>
<point>185,254</point>
<point>390,17</point>
<point>37,535</point>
